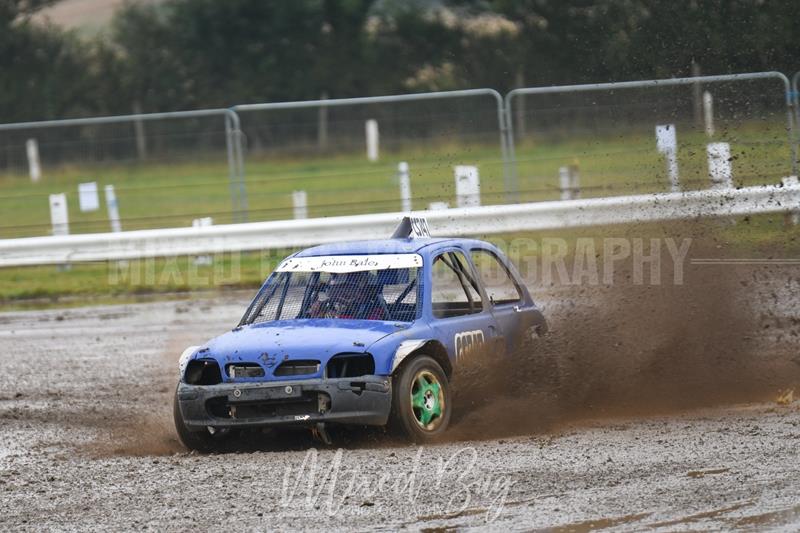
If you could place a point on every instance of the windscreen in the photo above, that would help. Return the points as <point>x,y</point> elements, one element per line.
<point>384,294</point>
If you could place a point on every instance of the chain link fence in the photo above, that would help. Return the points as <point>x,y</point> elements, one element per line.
<point>166,170</point>
<point>277,161</point>
<point>604,135</point>
<point>343,156</point>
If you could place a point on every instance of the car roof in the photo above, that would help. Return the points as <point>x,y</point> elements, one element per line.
<point>381,246</point>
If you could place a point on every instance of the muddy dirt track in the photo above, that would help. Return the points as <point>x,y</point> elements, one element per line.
<point>664,417</point>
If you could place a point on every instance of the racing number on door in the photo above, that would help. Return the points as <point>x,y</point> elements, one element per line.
<point>419,227</point>
<point>467,342</point>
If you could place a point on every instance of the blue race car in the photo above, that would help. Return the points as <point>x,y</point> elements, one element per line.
<point>364,333</point>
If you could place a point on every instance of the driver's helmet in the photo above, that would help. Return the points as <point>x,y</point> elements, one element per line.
<point>347,287</point>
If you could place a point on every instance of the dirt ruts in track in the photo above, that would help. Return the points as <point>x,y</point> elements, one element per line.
<point>88,444</point>
<point>147,432</point>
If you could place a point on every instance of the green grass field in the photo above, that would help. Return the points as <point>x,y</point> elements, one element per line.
<point>172,194</point>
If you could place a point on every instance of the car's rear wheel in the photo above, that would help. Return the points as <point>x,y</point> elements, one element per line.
<point>206,440</point>
<point>421,404</point>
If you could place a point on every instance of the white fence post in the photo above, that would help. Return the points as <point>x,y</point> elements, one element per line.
<point>672,171</point>
<point>708,113</point>
<point>113,216</point>
<point>438,206</point>
<point>468,186</point>
<point>405,186</point>
<point>34,163</point>
<point>300,204</point>
<point>113,209</point>
<point>59,217</point>
<point>667,144</point>
<point>372,139</point>
<point>563,183</point>
<point>719,165</point>
<point>202,260</point>
<point>88,199</point>
<point>569,182</point>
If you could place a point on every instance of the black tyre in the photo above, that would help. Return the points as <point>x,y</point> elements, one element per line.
<point>421,403</point>
<point>204,441</point>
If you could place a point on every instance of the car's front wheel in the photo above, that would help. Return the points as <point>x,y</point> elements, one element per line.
<point>421,399</point>
<point>206,440</point>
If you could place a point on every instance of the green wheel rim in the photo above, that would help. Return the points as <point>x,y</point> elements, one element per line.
<point>427,400</point>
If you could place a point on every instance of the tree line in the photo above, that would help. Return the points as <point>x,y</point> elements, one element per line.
<point>188,54</point>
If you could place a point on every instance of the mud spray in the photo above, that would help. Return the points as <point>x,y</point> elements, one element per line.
<point>729,334</point>
<point>616,350</point>
<point>148,431</point>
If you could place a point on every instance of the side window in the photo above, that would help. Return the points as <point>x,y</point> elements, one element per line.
<point>500,288</point>
<point>454,291</point>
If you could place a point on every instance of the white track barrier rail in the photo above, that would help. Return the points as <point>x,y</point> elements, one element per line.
<point>479,220</point>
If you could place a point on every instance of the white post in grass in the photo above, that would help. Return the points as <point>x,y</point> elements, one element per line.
<point>59,217</point>
<point>667,144</point>
<point>405,187</point>
<point>202,260</point>
<point>113,216</point>
<point>708,113</point>
<point>113,209</point>
<point>34,164</point>
<point>371,127</point>
<point>569,182</point>
<point>438,206</point>
<point>468,186</point>
<point>300,204</point>
<point>563,183</point>
<point>720,169</point>
<point>88,199</point>
<point>672,170</point>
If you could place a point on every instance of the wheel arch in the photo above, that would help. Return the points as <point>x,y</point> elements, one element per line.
<point>430,347</point>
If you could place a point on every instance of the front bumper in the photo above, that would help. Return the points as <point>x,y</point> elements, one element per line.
<point>365,400</point>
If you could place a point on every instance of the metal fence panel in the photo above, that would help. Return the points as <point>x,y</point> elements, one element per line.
<point>167,168</point>
<point>598,139</point>
<point>320,147</point>
<point>607,131</point>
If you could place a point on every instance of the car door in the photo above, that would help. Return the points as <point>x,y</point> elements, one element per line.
<point>461,319</point>
<point>506,297</point>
